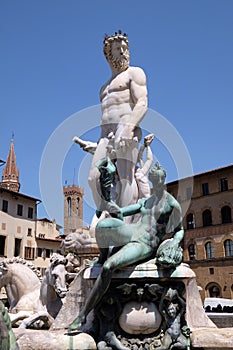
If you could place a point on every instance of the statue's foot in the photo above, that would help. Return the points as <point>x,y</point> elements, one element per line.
<point>115,343</point>
<point>102,345</point>
<point>74,328</point>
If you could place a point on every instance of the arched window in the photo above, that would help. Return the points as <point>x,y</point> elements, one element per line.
<point>192,252</point>
<point>226,214</point>
<point>228,246</point>
<point>207,217</point>
<point>190,221</point>
<point>214,292</point>
<point>77,206</point>
<point>69,206</point>
<point>209,250</point>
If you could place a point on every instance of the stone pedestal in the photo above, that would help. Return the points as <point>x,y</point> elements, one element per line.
<point>75,299</point>
<point>150,273</point>
<point>28,339</point>
<point>135,294</point>
<point>131,308</point>
<point>130,313</point>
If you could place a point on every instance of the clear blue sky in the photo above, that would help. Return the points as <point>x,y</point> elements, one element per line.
<point>52,66</point>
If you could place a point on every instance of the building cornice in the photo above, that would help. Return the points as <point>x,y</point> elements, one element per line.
<point>18,194</point>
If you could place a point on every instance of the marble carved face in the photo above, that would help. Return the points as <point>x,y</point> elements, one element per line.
<point>119,57</point>
<point>157,178</point>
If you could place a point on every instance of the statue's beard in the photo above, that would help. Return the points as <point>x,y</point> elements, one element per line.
<point>119,63</point>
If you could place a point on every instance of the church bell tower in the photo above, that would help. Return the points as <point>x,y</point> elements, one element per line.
<point>10,174</point>
<point>73,208</point>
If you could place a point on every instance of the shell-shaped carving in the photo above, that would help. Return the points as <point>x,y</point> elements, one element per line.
<point>140,318</point>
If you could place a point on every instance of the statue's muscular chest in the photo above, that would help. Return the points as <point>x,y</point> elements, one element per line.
<point>118,84</point>
<point>158,210</point>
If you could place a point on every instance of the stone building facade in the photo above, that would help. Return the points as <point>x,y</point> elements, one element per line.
<point>73,222</point>
<point>48,241</point>
<point>17,224</point>
<point>208,241</point>
<point>21,232</point>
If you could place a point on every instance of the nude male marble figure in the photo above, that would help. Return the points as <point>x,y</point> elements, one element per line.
<point>124,104</point>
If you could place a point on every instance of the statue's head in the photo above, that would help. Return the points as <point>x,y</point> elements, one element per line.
<point>157,175</point>
<point>172,309</point>
<point>116,50</point>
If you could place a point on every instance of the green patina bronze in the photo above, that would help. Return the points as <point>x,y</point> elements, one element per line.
<point>160,218</point>
<point>7,337</point>
<point>107,173</point>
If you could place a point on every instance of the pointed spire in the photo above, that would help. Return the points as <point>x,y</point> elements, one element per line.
<point>10,174</point>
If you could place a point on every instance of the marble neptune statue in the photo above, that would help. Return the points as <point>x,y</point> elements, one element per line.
<point>124,104</point>
<point>158,230</point>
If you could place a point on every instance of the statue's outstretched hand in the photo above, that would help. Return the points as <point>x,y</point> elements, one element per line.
<point>87,146</point>
<point>148,139</point>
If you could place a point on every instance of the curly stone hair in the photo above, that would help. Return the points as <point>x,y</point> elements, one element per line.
<point>108,40</point>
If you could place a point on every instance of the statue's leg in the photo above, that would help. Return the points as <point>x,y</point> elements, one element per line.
<point>96,294</point>
<point>166,342</point>
<point>103,255</point>
<point>181,342</point>
<point>111,232</point>
<point>112,340</point>
<point>127,255</point>
<point>126,162</point>
<point>130,253</point>
<point>102,345</point>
